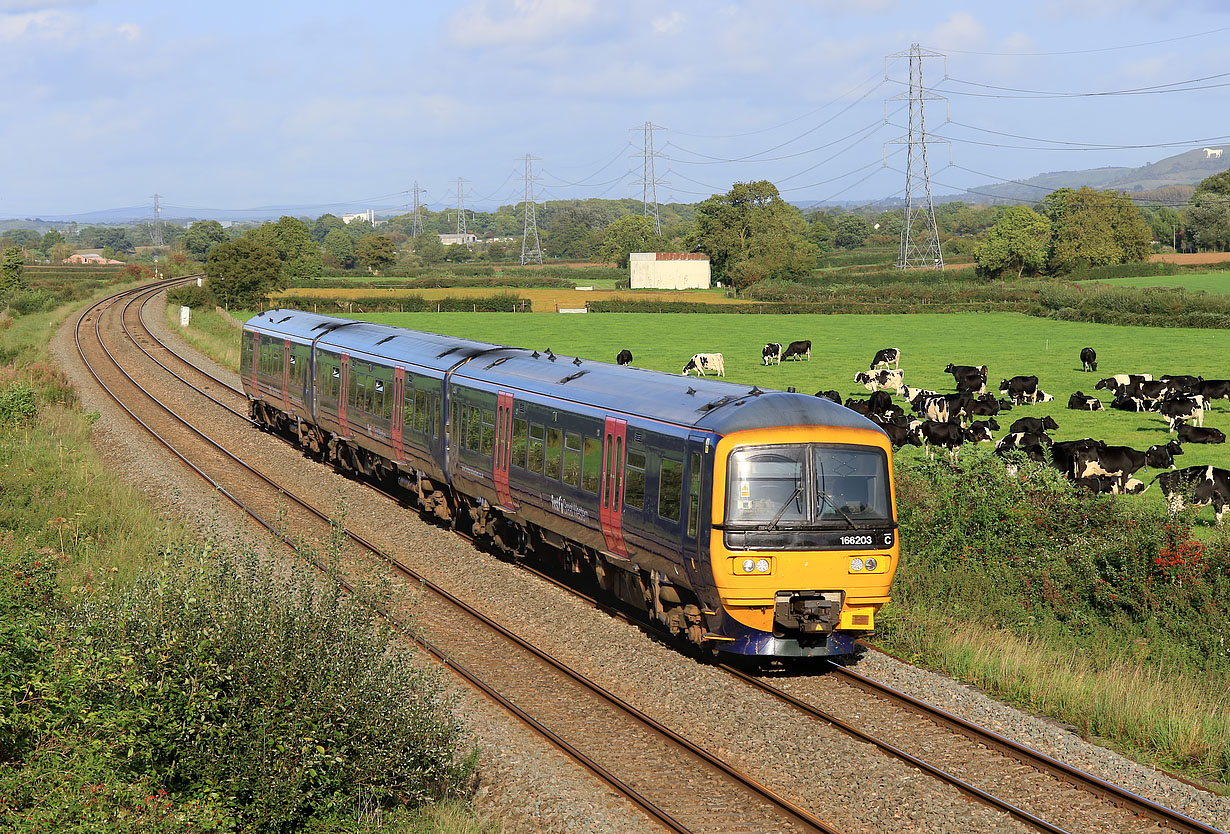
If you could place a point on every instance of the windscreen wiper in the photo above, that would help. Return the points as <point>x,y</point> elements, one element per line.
<point>829,500</point>
<point>798,490</point>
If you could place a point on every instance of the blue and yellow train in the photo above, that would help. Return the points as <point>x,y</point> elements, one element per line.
<point>747,521</point>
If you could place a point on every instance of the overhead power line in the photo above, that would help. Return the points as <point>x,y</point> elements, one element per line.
<point>1089,51</point>
<point>1074,146</point>
<point>1157,89</point>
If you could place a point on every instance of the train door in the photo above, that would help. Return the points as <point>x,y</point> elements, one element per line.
<point>286,367</point>
<point>693,496</point>
<point>256,363</point>
<point>503,448</point>
<point>343,395</point>
<point>611,499</point>
<point>399,412</point>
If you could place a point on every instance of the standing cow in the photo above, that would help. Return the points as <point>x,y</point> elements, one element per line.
<point>1089,359</point>
<point>885,357</point>
<point>702,363</point>
<point>772,354</point>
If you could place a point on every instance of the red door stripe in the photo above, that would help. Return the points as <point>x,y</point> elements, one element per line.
<point>503,449</point>
<point>343,395</point>
<point>611,501</point>
<point>286,375</point>
<point>399,411</point>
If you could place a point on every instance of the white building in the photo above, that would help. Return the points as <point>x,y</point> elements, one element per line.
<point>453,239</point>
<point>369,216</point>
<point>669,270</point>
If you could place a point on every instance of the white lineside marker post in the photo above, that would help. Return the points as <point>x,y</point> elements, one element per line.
<point>185,316</point>
<point>200,282</point>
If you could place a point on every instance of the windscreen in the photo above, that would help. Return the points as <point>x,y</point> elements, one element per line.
<point>807,484</point>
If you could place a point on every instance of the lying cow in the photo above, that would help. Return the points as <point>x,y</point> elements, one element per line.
<point>885,357</point>
<point>1195,434</point>
<point>979,431</point>
<point>772,354</point>
<point>893,380</point>
<point>1089,359</point>
<point>830,395</point>
<point>624,357</point>
<point>1202,485</point>
<point>1080,402</point>
<point>798,350</point>
<point>702,363</point>
<point>1102,485</point>
<point>1119,380</point>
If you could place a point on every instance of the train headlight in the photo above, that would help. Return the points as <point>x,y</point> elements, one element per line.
<point>749,565</point>
<point>762,566</point>
<point>856,564</point>
<point>870,563</point>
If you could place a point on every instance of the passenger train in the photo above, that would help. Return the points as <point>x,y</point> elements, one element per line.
<point>747,521</point>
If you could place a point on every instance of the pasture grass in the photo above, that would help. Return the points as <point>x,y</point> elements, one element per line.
<point>1211,282</point>
<point>210,332</point>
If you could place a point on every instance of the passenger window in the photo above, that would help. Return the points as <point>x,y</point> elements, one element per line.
<point>518,442</point>
<point>420,411</point>
<point>488,436</point>
<point>634,481</point>
<point>537,443</point>
<point>572,459</point>
<point>335,382</point>
<point>555,446</point>
<point>693,493</point>
<point>591,465</point>
<point>670,488</point>
<point>474,427</point>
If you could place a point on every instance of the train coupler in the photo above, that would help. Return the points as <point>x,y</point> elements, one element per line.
<point>807,612</point>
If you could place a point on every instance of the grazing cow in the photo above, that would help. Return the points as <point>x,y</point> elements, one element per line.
<point>879,401</point>
<point>1080,402</point>
<point>1113,382</point>
<point>1121,461</point>
<point>1089,359</point>
<point>911,394</point>
<point>772,354</point>
<point>1070,456</point>
<point>1202,485</point>
<point>934,433</point>
<point>1193,434</point>
<point>894,380</point>
<point>798,350</point>
<point>830,395</point>
<point>972,378</point>
<point>1020,389</point>
<point>861,406</point>
<point>624,357</point>
<point>979,431</point>
<point>1183,383</point>
<point>1037,425</point>
<point>1215,389</point>
<point>886,357</point>
<point>1181,407</point>
<point>702,363</point>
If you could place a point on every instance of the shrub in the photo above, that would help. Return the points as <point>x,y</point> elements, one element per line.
<point>18,406</point>
<point>24,302</point>
<point>191,296</point>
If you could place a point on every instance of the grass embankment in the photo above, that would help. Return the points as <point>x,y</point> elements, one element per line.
<point>144,682</point>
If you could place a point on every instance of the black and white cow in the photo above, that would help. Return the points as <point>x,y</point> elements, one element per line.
<point>1020,389</point>
<point>1080,402</point>
<point>1125,403</point>
<point>702,363</point>
<point>861,406</point>
<point>900,435</point>
<point>984,406</point>
<point>910,394</point>
<point>971,378</point>
<point>772,354</point>
<point>1215,389</point>
<point>1201,485</point>
<point>893,380</point>
<point>935,433</point>
<point>1031,443</point>
<point>1117,380</point>
<point>979,431</point>
<point>885,357</point>
<point>1103,485</point>
<point>1181,407</point>
<point>935,407</point>
<point>1183,383</point>
<point>879,402</point>
<point>1195,434</point>
<point>798,350</point>
<point>624,357</point>
<point>1121,461</point>
<point>1070,456</point>
<point>830,395</point>
<point>1089,359</point>
<point>1037,425</point>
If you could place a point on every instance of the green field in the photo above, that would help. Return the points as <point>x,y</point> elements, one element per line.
<point>1210,282</point>
<point>842,345</point>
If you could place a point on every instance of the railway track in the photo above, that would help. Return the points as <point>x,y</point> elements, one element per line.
<point>676,782</point>
<point>1034,789</point>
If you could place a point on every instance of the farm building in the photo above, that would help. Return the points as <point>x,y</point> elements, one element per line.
<point>669,270</point>
<point>464,239</point>
<point>89,258</point>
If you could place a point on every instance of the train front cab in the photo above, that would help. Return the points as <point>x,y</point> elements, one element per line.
<point>800,513</point>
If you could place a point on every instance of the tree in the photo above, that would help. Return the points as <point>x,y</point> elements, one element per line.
<point>340,245</point>
<point>376,252</point>
<point>60,252</point>
<point>851,230</point>
<point>571,232</point>
<point>241,273</point>
<point>12,262</point>
<point>1020,240</point>
<point>753,222</point>
<point>50,239</point>
<point>293,243</point>
<point>327,223</point>
<point>1209,215</point>
<point>429,248</point>
<point>202,236</point>
<point>632,233</point>
<point>1094,228</point>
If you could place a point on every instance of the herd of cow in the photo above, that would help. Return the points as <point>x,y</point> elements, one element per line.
<point>948,420</point>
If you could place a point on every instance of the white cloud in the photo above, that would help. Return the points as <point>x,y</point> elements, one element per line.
<point>845,7</point>
<point>36,5</point>
<point>667,24</point>
<point>65,28</point>
<point>960,31</point>
<point>495,22</point>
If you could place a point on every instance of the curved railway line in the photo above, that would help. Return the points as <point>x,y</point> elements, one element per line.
<point>683,786</point>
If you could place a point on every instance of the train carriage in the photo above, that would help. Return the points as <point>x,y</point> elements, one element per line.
<point>749,521</point>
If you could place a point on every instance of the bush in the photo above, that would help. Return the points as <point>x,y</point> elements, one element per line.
<point>506,302</point>
<point>24,302</point>
<point>18,406</point>
<point>192,296</point>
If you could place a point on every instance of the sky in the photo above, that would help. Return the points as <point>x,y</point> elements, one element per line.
<point>233,106</point>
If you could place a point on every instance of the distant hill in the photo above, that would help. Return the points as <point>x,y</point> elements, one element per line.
<point>1178,175</point>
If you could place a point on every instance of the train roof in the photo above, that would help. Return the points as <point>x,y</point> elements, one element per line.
<point>706,404</point>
